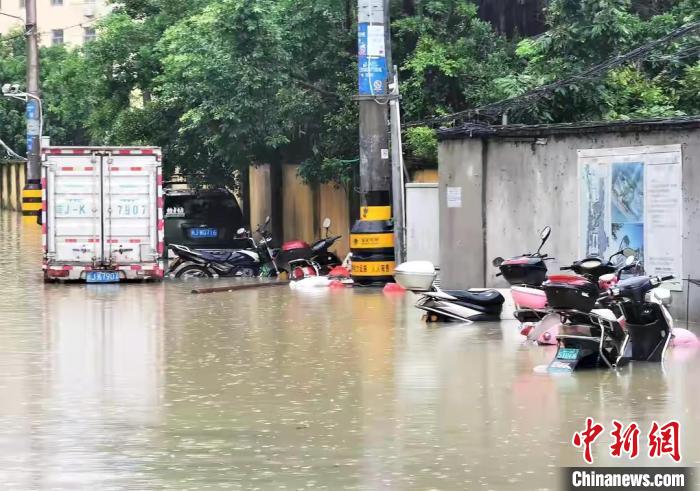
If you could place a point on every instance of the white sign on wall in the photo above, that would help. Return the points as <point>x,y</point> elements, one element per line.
<point>454,197</point>
<point>632,197</point>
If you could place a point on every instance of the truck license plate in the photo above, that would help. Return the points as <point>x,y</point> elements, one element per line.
<point>102,277</point>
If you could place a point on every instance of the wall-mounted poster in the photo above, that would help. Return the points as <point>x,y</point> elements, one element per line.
<point>632,198</point>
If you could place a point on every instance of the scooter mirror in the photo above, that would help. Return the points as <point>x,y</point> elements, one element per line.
<point>544,236</point>
<point>240,231</point>
<point>497,262</point>
<point>545,233</point>
<point>628,252</point>
<point>267,220</point>
<point>326,223</point>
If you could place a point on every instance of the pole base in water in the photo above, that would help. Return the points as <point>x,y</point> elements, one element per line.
<point>31,203</point>
<point>372,246</point>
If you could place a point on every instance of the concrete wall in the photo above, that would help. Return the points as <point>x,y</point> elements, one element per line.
<point>334,203</point>
<point>260,194</point>
<point>303,207</point>
<point>298,217</point>
<point>462,247</point>
<point>513,187</point>
<point>11,185</point>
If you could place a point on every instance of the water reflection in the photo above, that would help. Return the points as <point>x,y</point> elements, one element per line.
<point>148,386</point>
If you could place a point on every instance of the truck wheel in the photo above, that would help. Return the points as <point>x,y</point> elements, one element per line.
<point>193,271</point>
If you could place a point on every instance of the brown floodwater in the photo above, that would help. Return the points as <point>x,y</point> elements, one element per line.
<point>146,386</point>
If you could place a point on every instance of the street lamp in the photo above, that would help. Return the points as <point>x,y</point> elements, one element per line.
<point>13,91</point>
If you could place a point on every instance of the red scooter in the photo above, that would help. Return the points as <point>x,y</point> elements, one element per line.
<point>301,260</point>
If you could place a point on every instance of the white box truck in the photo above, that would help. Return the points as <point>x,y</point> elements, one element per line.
<point>102,213</point>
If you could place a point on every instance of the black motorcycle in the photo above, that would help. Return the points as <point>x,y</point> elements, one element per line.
<point>254,261</point>
<point>642,332</point>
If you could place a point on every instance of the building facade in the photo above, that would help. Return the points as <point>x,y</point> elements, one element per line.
<point>70,22</point>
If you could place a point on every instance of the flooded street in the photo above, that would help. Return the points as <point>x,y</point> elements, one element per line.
<point>146,386</point>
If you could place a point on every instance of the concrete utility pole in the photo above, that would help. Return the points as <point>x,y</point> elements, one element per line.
<point>31,194</point>
<point>372,238</point>
<point>397,174</point>
<point>374,55</point>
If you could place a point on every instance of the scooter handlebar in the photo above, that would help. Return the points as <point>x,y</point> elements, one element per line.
<point>667,278</point>
<point>566,268</point>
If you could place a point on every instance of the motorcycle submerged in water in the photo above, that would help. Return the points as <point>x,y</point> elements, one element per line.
<point>642,333</point>
<point>590,272</point>
<point>525,274</point>
<point>301,260</point>
<point>256,261</point>
<point>443,305</point>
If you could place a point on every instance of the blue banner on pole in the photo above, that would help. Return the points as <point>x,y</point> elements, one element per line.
<point>372,70</point>
<point>32,144</point>
<point>32,109</point>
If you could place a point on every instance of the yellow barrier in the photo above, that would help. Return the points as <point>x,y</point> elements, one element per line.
<point>372,241</point>
<point>379,268</point>
<point>375,213</point>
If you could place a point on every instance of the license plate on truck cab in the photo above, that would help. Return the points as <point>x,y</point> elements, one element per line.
<point>102,277</point>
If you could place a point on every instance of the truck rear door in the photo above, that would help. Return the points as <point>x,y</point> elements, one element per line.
<point>130,217</point>
<point>74,217</point>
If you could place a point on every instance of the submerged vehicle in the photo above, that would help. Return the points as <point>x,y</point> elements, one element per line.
<point>593,275</point>
<point>302,260</point>
<point>102,214</point>
<point>642,333</point>
<point>253,261</point>
<point>443,305</point>
<point>525,274</point>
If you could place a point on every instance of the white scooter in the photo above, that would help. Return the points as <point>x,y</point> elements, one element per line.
<point>443,305</point>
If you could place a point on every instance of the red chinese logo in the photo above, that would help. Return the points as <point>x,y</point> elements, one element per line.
<point>587,437</point>
<point>627,440</point>
<point>665,440</point>
<point>662,440</point>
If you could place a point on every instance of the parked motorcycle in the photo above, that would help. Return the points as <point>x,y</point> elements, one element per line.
<point>525,274</point>
<point>642,333</point>
<point>256,261</point>
<point>443,305</point>
<point>592,273</point>
<point>302,260</point>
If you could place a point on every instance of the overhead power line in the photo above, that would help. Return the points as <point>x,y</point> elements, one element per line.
<point>591,73</point>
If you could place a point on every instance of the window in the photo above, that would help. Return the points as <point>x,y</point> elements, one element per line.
<point>88,34</point>
<point>56,37</point>
<point>21,4</point>
<point>56,3</point>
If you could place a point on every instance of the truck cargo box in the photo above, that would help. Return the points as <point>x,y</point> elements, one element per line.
<point>102,213</point>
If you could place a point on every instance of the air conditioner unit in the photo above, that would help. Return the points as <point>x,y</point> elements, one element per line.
<point>89,11</point>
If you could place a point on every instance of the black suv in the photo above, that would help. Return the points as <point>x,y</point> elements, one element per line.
<point>202,219</point>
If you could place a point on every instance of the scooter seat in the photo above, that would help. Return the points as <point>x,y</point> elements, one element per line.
<point>487,297</point>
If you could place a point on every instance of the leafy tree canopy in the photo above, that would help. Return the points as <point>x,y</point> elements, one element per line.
<point>222,84</point>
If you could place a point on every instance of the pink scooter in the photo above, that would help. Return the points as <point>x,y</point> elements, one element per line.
<point>525,274</point>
